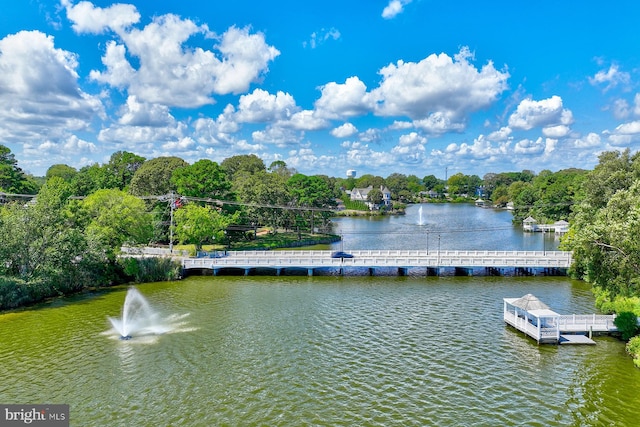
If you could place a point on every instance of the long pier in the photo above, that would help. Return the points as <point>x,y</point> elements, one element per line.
<point>462,262</point>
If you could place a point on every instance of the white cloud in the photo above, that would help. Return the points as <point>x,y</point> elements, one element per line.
<point>527,146</point>
<point>621,109</point>
<point>559,131</point>
<point>164,69</point>
<point>610,78</point>
<point>438,85</point>
<point>538,147</point>
<point>320,37</point>
<point>591,140</point>
<point>261,106</point>
<point>481,149</point>
<point>438,123</point>
<point>545,113</point>
<point>625,134</point>
<point>344,131</point>
<point>394,8</point>
<point>39,91</point>
<point>276,135</point>
<point>410,148</point>
<point>75,145</point>
<point>87,18</point>
<point>343,100</point>
<point>135,113</point>
<point>305,120</point>
<point>502,134</point>
<point>636,103</point>
<point>185,144</point>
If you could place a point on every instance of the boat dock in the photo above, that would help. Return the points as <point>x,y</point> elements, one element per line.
<point>536,320</point>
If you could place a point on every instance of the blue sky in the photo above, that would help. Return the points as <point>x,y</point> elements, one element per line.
<point>409,86</point>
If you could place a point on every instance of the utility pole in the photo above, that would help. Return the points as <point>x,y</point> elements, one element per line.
<point>172,204</point>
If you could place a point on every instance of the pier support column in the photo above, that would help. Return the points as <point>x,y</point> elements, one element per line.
<point>246,271</point>
<point>278,271</point>
<point>433,271</point>
<point>215,271</point>
<point>309,272</point>
<point>402,271</point>
<point>372,271</point>
<point>463,271</point>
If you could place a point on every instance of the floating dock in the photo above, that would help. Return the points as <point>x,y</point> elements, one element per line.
<point>534,318</point>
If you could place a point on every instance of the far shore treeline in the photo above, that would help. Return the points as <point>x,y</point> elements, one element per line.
<point>67,238</point>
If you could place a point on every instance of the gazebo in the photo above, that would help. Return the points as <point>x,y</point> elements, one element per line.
<point>533,317</point>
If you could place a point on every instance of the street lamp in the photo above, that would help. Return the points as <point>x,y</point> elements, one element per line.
<point>427,241</point>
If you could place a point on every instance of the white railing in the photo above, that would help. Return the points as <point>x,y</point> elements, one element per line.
<point>386,258</point>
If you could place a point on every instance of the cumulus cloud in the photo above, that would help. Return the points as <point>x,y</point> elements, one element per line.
<point>501,134</point>
<point>343,100</point>
<point>591,140</point>
<point>625,133</point>
<point>394,8</point>
<point>546,113</point>
<point>559,131</point>
<point>537,147</point>
<point>39,90</point>
<point>135,113</point>
<point>410,148</point>
<point>87,18</point>
<point>610,78</point>
<point>438,86</point>
<point>163,69</point>
<point>261,106</point>
<point>276,135</point>
<point>320,37</point>
<point>481,149</point>
<point>344,131</point>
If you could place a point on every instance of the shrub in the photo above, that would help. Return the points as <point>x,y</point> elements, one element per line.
<point>627,324</point>
<point>151,269</point>
<point>633,348</point>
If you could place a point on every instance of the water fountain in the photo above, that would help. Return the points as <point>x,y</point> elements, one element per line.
<point>138,318</point>
<point>420,220</point>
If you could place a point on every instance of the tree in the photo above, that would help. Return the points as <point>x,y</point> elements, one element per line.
<point>430,182</point>
<point>200,224</point>
<point>203,179</point>
<point>280,167</point>
<point>369,180</point>
<point>249,163</point>
<point>397,183</point>
<point>605,244</point>
<point>40,241</point>
<point>67,173</point>
<point>154,176</point>
<point>121,168</point>
<point>12,178</point>
<point>375,196</point>
<point>88,179</point>
<point>260,189</point>
<point>114,218</point>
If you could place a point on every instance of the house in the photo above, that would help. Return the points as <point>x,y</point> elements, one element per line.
<point>361,195</point>
<point>529,224</point>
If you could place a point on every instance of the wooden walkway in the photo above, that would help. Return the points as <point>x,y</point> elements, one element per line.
<point>465,261</point>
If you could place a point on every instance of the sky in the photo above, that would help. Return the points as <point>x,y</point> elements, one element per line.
<point>416,87</point>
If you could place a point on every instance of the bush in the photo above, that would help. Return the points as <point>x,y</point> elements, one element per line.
<point>633,348</point>
<point>151,269</point>
<point>627,324</point>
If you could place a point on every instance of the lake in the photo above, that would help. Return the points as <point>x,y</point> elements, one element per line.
<point>326,351</point>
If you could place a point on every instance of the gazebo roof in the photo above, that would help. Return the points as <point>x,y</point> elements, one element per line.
<point>529,303</point>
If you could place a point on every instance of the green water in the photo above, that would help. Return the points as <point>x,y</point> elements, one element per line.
<point>326,351</point>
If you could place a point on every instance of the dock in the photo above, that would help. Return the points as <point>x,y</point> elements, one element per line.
<point>535,319</point>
